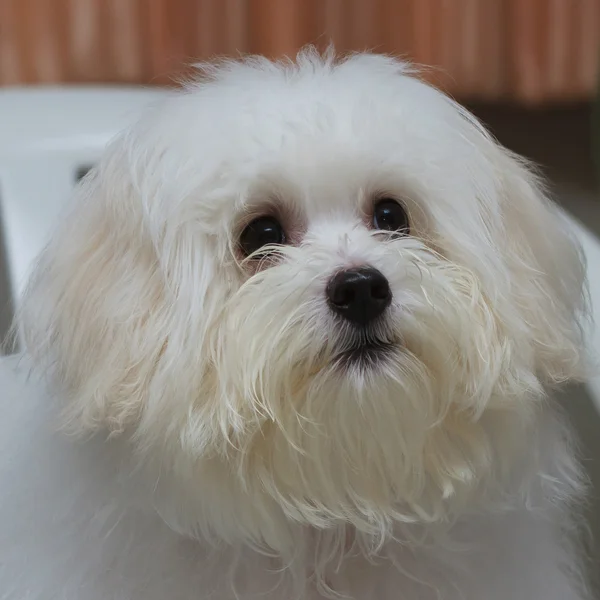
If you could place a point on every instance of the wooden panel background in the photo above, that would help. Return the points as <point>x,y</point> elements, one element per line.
<point>527,50</point>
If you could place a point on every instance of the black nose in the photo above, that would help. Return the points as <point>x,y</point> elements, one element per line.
<point>359,295</point>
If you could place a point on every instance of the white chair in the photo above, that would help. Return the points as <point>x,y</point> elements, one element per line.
<point>591,248</point>
<point>50,136</point>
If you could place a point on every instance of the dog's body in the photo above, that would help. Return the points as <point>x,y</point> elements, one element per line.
<point>362,412</point>
<point>76,525</point>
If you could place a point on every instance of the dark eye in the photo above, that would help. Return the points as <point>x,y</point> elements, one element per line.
<point>389,215</point>
<point>261,232</point>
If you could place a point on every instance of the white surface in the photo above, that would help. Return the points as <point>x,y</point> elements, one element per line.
<point>48,118</point>
<point>591,247</point>
<point>46,134</point>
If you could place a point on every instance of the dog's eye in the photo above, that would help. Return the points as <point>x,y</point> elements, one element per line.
<point>389,215</point>
<point>261,232</point>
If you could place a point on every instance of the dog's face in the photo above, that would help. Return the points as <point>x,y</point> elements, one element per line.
<point>316,294</point>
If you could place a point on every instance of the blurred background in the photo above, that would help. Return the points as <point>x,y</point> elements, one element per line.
<point>528,68</point>
<point>533,52</point>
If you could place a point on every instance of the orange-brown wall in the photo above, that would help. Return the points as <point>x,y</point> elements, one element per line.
<point>528,50</point>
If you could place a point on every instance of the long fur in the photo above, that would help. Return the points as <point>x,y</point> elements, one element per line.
<point>223,450</point>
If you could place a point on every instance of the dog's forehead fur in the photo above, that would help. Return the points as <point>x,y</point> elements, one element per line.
<point>316,129</point>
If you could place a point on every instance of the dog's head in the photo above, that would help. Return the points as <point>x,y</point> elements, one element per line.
<point>315,292</point>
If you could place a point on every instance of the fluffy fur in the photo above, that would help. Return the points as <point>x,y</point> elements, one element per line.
<point>224,453</point>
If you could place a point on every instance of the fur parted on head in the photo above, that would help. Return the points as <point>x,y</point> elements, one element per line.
<point>256,406</point>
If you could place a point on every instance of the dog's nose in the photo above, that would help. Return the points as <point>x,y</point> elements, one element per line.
<point>359,295</point>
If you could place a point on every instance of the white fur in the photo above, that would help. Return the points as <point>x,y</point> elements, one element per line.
<point>222,453</point>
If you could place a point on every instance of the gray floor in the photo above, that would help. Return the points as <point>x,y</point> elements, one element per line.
<point>559,141</point>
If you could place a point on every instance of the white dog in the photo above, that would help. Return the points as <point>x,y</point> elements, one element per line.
<point>303,318</point>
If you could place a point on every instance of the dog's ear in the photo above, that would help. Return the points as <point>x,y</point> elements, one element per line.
<point>546,270</point>
<point>94,311</point>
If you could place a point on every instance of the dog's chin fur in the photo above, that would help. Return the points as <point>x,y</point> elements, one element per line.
<point>262,420</point>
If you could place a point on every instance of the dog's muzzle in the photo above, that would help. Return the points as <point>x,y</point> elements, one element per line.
<point>360,297</point>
